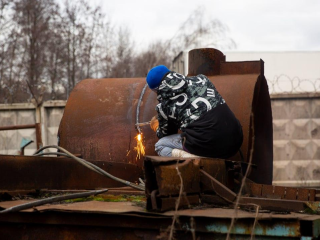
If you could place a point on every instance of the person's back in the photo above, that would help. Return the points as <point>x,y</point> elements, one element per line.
<point>185,99</point>
<point>193,104</point>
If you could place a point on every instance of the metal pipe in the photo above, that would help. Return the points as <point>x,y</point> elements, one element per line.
<point>138,108</point>
<point>143,124</point>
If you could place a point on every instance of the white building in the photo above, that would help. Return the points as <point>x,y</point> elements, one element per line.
<point>286,72</point>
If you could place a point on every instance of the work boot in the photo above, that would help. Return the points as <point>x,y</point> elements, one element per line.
<point>182,154</point>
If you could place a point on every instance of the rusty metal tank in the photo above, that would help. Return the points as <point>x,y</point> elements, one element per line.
<point>100,115</point>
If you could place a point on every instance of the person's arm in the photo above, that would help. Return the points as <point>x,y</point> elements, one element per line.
<point>166,125</point>
<point>162,129</point>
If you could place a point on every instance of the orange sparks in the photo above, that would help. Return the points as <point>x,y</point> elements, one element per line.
<point>139,148</point>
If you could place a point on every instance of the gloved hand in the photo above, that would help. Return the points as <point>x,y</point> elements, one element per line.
<point>154,123</point>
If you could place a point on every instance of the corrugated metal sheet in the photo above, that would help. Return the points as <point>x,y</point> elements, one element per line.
<point>296,127</point>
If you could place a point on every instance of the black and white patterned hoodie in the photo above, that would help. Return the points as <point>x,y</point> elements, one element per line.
<point>182,100</point>
<point>193,105</point>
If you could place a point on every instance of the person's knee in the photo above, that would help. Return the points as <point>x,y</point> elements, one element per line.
<point>159,146</point>
<point>160,143</point>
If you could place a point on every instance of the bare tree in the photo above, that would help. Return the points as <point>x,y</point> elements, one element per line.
<point>5,24</point>
<point>155,54</point>
<point>123,59</point>
<point>92,46</point>
<point>56,56</point>
<point>33,18</point>
<point>197,31</point>
<point>44,48</point>
<point>200,31</point>
<point>107,49</point>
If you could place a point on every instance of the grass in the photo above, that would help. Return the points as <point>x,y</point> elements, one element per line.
<point>110,198</point>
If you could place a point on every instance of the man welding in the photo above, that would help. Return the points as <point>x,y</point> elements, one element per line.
<point>193,105</point>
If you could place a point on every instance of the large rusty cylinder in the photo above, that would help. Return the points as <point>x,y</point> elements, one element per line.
<point>100,116</point>
<point>245,90</point>
<point>248,97</point>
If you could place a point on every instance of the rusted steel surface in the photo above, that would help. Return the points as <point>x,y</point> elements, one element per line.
<point>267,191</point>
<point>170,203</point>
<point>214,199</point>
<point>291,193</point>
<point>205,61</point>
<point>216,168</point>
<point>102,219</point>
<point>169,181</point>
<point>255,190</point>
<point>29,172</point>
<point>278,192</point>
<point>246,67</point>
<point>244,87</point>
<point>219,188</point>
<point>38,135</point>
<point>280,205</point>
<point>113,191</point>
<point>161,174</point>
<point>99,120</point>
<point>303,194</point>
<point>163,184</point>
<point>239,94</point>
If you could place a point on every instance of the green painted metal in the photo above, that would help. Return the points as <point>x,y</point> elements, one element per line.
<point>283,229</point>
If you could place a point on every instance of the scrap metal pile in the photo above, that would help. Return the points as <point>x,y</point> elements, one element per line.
<point>216,181</point>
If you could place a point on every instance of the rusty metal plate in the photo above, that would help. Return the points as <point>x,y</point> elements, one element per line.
<point>247,67</point>
<point>84,225</point>
<point>246,94</point>
<point>255,189</point>
<point>29,172</point>
<point>303,194</point>
<point>205,61</point>
<point>169,182</point>
<point>213,199</point>
<point>267,191</point>
<point>217,187</point>
<point>185,201</point>
<point>216,168</point>
<point>244,87</point>
<point>312,195</point>
<point>275,204</point>
<point>279,192</point>
<point>291,193</point>
<point>99,120</point>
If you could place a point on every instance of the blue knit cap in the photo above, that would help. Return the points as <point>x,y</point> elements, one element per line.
<point>155,76</point>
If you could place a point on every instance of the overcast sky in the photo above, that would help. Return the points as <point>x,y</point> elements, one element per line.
<point>268,25</point>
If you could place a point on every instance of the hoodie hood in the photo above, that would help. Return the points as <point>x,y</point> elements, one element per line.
<point>172,85</point>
